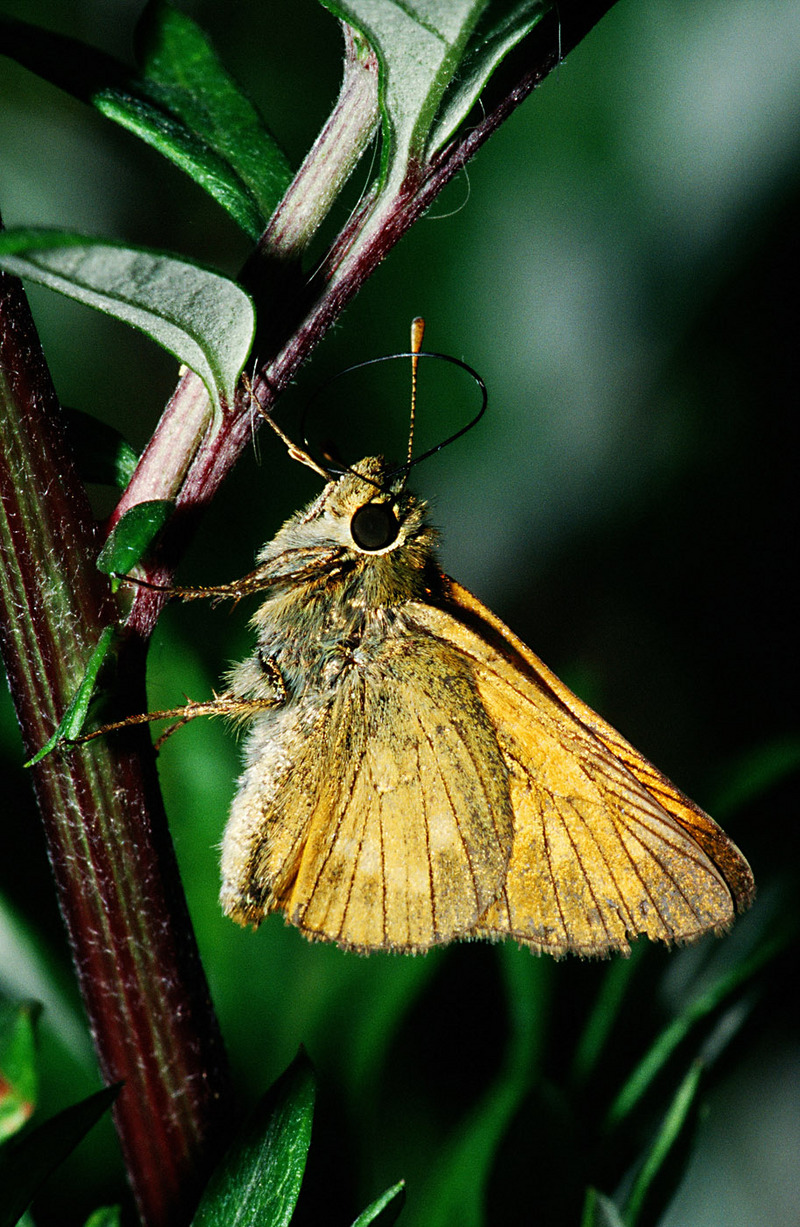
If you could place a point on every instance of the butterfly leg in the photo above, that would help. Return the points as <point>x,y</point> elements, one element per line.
<point>221,705</point>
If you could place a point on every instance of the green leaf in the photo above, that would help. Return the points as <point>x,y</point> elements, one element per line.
<point>258,1181</point>
<point>755,772</point>
<point>435,57</point>
<point>671,1127</point>
<point>181,69</point>
<point>131,537</point>
<point>73,719</point>
<point>18,1080</point>
<point>385,1209</point>
<point>502,26</point>
<point>102,454</point>
<point>203,318</point>
<point>185,105</point>
<point>30,969</point>
<point>27,1160</point>
<point>699,1008</point>
<point>106,1216</point>
<point>600,1211</point>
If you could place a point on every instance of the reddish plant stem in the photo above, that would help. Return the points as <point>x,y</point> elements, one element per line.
<point>118,885</point>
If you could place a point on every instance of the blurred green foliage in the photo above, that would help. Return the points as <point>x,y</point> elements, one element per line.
<point>620,265</point>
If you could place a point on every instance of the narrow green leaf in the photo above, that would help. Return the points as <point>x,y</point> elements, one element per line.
<point>102,454</point>
<point>18,1080</point>
<point>420,45</point>
<point>203,318</point>
<point>385,1210</point>
<point>73,719</point>
<point>181,69</point>
<point>600,1211</point>
<point>27,1160</point>
<point>185,105</point>
<point>701,1007</point>
<point>259,1179</point>
<point>671,1127</point>
<point>132,536</point>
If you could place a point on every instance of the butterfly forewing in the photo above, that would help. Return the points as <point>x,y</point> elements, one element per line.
<point>604,846</point>
<point>399,807</point>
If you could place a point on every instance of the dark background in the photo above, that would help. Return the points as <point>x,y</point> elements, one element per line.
<point>620,264</point>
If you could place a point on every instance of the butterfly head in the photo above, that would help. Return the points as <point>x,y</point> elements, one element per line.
<point>364,537</point>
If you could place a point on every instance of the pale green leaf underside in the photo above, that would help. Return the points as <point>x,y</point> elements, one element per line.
<point>419,44</point>
<point>435,58</point>
<point>204,319</point>
<point>503,25</point>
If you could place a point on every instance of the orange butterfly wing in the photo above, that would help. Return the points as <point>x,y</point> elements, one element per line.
<point>392,826</point>
<point>605,847</point>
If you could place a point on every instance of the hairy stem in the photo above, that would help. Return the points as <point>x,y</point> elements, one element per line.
<point>118,885</point>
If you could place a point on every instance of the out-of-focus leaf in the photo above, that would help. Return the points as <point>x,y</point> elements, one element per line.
<point>204,319</point>
<point>132,536</point>
<point>605,1011</point>
<point>756,772</point>
<point>106,1216</point>
<point>18,1081</point>
<point>699,1008</point>
<point>385,1209</point>
<point>73,719</point>
<point>258,1180</point>
<point>30,969</point>
<point>183,103</point>
<point>102,454</point>
<point>600,1211</point>
<point>27,1160</point>
<point>671,1126</point>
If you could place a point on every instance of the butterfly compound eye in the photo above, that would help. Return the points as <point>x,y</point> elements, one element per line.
<point>374,527</point>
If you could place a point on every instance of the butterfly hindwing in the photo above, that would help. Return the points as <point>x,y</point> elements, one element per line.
<point>605,847</point>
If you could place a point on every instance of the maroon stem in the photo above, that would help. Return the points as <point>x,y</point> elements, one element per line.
<point>118,885</point>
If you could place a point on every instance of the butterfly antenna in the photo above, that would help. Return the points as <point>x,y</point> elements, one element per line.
<point>417,333</point>
<point>295,452</point>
